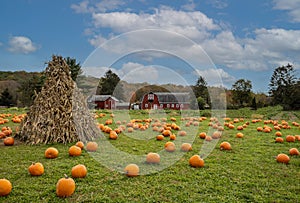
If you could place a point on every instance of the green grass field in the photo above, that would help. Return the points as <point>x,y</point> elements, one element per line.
<point>247,173</point>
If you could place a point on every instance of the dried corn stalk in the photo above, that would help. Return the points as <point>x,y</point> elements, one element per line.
<point>59,113</point>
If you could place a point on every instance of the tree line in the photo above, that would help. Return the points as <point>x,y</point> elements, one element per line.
<point>284,90</point>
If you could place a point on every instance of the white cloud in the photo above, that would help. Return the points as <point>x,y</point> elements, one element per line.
<point>82,7</point>
<point>191,24</point>
<point>190,6</point>
<point>91,6</point>
<point>219,4</point>
<point>97,40</point>
<point>292,7</point>
<point>266,48</point>
<point>21,44</point>
<point>216,77</point>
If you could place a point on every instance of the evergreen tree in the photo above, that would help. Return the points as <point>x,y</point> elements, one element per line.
<point>241,91</point>
<point>75,67</point>
<point>281,86</point>
<point>110,84</point>
<point>6,98</point>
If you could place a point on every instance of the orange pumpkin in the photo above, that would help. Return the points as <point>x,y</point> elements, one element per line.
<point>185,147</point>
<point>74,151</point>
<point>239,135</point>
<point>240,127</point>
<point>172,136</point>
<point>259,129</point>
<point>216,135</point>
<point>152,158</point>
<point>182,133</point>
<point>278,134</point>
<point>166,133</point>
<point>294,151</point>
<point>130,129</point>
<point>65,187</point>
<point>5,187</point>
<point>51,153</point>
<point>290,138</point>
<point>202,135</point>
<point>283,158</point>
<point>196,161</point>
<point>9,141</point>
<point>113,135</point>
<point>91,146</point>
<point>36,169</point>
<point>132,170</point>
<point>80,144</point>
<point>225,146</point>
<point>79,171</point>
<point>208,138</point>
<point>170,147</point>
<point>159,137</point>
<point>279,139</point>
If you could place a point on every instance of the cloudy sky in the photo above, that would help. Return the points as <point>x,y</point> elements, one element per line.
<point>143,40</point>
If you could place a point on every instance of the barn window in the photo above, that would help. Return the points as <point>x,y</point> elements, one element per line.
<point>161,105</point>
<point>177,105</point>
<point>168,105</point>
<point>146,105</point>
<point>172,105</point>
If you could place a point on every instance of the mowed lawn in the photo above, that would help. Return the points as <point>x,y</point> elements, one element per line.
<point>247,173</point>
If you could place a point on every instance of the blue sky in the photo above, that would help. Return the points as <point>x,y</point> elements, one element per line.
<point>243,39</point>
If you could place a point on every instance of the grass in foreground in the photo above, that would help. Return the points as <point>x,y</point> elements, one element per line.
<point>248,173</point>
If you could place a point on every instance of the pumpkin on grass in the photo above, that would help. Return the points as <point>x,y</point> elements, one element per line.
<point>239,135</point>
<point>5,187</point>
<point>283,158</point>
<point>113,135</point>
<point>74,151</point>
<point>65,187</point>
<point>9,141</point>
<point>185,147</point>
<point>152,158</point>
<point>36,169</point>
<point>294,151</point>
<point>79,171</point>
<point>202,135</point>
<point>132,170</point>
<point>279,140</point>
<point>196,161</point>
<point>290,138</point>
<point>225,146</point>
<point>51,153</point>
<point>159,137</point>
<point>80,144</point>
<point>170,146</point>
<point>91,146</point>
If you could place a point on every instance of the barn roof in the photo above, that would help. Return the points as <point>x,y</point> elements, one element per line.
<point>176,97</point>
<point>94,98</point>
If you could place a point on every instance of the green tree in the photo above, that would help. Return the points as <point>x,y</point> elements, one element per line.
<point>30,88</point>
<point>281,86</point>
<point>200,90</point>
<point>241,92</point>
<point>75,67</point>
<point>253,104</point>
<point>6,99</point>
<point>110,84</point>
<point>201,103</point>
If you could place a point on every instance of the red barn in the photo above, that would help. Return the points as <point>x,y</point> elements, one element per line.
<point>166,100</point>
<point>103,101</point>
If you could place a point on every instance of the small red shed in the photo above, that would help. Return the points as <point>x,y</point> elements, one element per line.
<point>103,101</point>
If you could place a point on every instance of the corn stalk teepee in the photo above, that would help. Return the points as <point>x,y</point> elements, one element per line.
<point>59,113</point>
